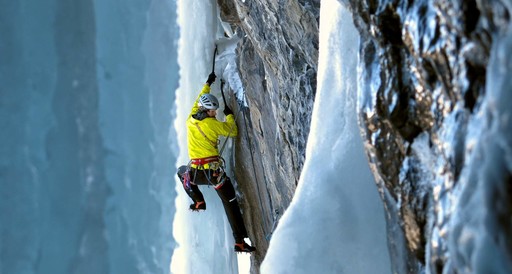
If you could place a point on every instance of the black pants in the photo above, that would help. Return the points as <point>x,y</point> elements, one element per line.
<point>224,189</point>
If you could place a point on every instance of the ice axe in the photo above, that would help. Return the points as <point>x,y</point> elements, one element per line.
<point>221,80</point>
<point>214,54</point>
<point>222,91</point>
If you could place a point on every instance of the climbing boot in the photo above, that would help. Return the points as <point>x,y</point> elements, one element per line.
<point>244,247</point>
<point>197,206</point>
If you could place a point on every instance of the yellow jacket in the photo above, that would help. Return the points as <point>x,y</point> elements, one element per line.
<point>202,135</point>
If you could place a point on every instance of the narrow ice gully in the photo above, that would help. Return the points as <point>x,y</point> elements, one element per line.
<point>341,218</point>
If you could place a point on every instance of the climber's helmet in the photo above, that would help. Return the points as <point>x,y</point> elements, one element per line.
<point>209,101</point>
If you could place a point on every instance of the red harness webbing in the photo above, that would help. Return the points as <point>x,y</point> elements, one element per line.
<point>204,161</point>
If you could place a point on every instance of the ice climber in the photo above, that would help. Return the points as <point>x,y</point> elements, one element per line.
<point>206,167</point>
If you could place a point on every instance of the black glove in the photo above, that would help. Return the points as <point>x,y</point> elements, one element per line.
<point>211,78</point>
<point>227,111</point>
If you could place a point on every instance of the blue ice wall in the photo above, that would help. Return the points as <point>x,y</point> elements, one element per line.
<point>86,112</point>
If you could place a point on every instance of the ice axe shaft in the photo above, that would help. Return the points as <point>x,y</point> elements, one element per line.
<point>214,54</point>
<point>221,80</point>
<point>222,91</point>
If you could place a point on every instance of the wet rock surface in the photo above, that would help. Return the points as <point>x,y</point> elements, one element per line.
<point>424,66</point>
<point>277,62</point>
<point>423,73</point>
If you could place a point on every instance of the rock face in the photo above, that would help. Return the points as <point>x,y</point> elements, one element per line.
<point>424,68</point>
<point>277,63</point>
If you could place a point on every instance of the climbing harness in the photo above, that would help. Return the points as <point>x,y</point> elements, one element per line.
<point>213,167</point>
<point>203,161</point>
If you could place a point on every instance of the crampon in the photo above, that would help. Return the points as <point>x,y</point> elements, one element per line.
<point>244,248</point>
<point>198,206</point>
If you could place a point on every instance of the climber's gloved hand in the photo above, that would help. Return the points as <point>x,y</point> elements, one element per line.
<point>227,111</point>
<point>211,78</point>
